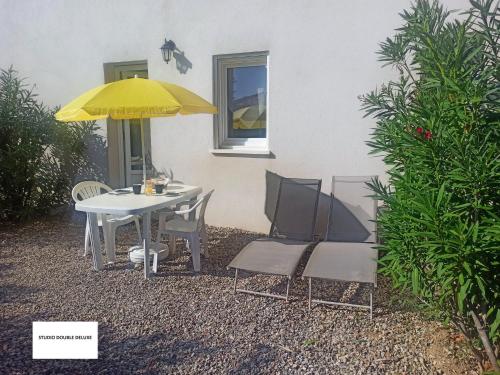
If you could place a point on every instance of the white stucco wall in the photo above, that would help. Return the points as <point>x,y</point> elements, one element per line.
<point>322,56</point>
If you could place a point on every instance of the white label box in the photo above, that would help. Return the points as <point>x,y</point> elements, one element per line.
<point>65,340</point>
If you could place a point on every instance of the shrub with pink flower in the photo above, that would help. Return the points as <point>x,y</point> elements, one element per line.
<point>440,228</point>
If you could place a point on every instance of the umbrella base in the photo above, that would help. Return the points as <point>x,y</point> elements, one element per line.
<point>136,253</point>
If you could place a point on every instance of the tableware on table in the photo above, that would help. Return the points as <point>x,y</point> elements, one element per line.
<point>164,193</point>
<point>172,194</point>
<point>175,187</point>
<point>137,188</point>
<point>119,191</point>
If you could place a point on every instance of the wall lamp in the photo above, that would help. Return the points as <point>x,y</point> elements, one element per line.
<point>167,49</point>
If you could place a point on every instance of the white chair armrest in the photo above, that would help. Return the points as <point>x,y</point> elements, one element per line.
<point>181,204</point>
<point>163,215</point>
<point>169,211</point>
<point>183,212</point>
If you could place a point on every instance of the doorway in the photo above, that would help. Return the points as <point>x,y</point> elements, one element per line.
<point>124,136</point>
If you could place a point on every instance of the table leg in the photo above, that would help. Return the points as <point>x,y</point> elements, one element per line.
<point>95,241</point>
<point>146,240</point>
<point>108,240</point>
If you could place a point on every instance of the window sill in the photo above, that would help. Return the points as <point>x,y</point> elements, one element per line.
<point>240,151</point>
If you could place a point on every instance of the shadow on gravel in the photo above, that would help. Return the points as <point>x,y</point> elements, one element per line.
<point>146,329</point>
<point>11,293</point>
<point>5,267</point>
<point>341,292</point>
<point>16,343</point>
<point>257,361</point>
<point>147,354</point>
<point>153,353</point>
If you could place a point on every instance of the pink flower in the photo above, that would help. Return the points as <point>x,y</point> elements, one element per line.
<point>428,134</point>
<point>420,130</point>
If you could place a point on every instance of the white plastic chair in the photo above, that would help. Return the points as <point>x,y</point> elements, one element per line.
<point>89,189</point>
<point>191,228</point>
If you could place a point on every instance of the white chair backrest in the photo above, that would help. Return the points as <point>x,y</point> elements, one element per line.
<point>88,189</point>
<point>205,198</point>
<point>202,204</point>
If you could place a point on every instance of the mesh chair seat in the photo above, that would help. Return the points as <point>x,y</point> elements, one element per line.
<point>271,256</point>
<point>344,261</point>
<point>352,216</point>
<point>292,229</point>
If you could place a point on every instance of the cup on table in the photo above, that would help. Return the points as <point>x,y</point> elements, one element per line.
<point>159,188</point>
<point>137,188</point>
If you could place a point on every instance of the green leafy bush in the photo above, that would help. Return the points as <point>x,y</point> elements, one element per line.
<point>438,131</point>
<point>40,158</point>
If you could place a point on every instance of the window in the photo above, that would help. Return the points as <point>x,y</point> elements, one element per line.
<point>241,94</point>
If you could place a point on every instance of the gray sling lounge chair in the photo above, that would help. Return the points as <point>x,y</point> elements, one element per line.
<point>292,230</point>
<point>348,254</point>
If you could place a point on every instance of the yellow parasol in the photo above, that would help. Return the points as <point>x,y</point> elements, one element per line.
<point>134,98</point>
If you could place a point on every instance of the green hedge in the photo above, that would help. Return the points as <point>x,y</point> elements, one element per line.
<point>40,158</point>
<point>438,131</point>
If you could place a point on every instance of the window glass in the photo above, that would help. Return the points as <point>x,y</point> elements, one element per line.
<point>247,100</point>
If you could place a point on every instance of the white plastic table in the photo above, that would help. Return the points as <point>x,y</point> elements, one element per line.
<point>131,204</point>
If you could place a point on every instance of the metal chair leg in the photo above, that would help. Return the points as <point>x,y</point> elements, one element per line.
<point>310,287</point>
<point>256,293</point>
<point>235,280</point>
<point>287,288</point>
<point>371,306</point>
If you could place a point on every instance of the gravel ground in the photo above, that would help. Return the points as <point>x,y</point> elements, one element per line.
<point>182,323</point>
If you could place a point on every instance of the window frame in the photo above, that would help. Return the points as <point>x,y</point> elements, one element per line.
<point>221,63</point>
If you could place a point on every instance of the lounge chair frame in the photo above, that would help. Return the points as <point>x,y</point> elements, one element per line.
<point>325,302</point>
<point>374,285</point>
<point>274,233</point>
<point>262,294</point>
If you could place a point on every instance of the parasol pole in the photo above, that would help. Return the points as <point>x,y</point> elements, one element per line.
<point>143,153</point>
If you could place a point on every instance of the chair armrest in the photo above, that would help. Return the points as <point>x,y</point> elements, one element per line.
<point>181,204</point>
<point>182,212</point>
<point>166,212</point>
